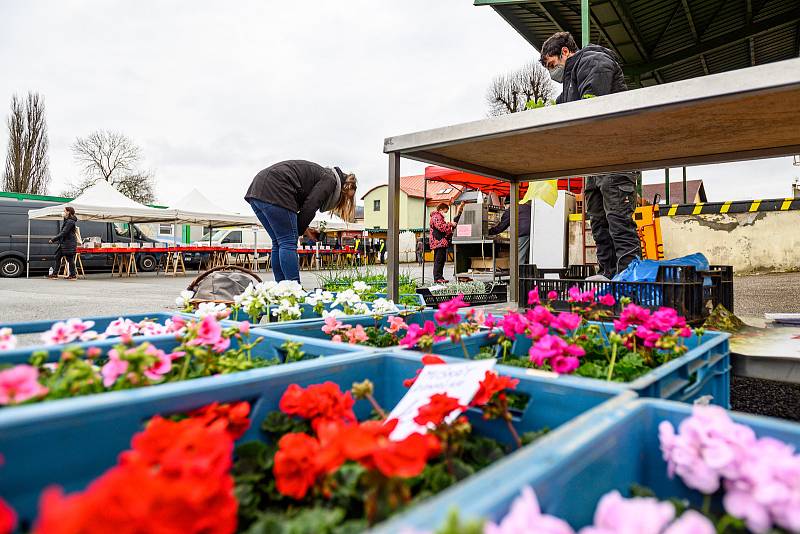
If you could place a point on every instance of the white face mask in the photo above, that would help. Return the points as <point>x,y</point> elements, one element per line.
<point>557,73</point>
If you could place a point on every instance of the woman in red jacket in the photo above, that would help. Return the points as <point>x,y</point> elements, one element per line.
<point>440,237</point>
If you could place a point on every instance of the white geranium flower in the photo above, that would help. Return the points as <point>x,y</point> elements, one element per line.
<point>348,297</point>
<point>184,298</point>
<point>360,308</point>
<point>360,286</point>
<point>336,313</point>
<point>382,306</point>
<point>210,308</point>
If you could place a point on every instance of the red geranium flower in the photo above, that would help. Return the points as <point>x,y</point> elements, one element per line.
<point>369,444</point>
<point>319,403</point>
<point>492,383</point>
<point>182,448</point>
<point>8,518</point>
<point>437,409</point>
<point>427,359</point>
<point>150,491</point>
<point>296,469</point>
<point>234,415</point>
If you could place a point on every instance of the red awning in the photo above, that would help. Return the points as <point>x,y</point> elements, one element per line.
<point>489,185</point>
<point>471,181</point>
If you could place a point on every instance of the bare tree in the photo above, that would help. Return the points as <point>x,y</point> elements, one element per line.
<point>27,163</point>
<point>115,158</point>
<point>511,92</point>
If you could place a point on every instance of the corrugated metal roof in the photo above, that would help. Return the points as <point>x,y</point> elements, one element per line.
<point>668,40</point>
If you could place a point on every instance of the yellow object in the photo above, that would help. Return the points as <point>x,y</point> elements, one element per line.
<point>648,226</point>
<point>546,190</point>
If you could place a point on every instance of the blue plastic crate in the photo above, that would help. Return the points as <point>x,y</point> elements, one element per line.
<point>269,348</point>
<point>705,370</point>
<point>73,441</point>
<point>603,455</point>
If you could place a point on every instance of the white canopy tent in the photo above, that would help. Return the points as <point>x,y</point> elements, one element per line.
<point>334,223</point>
<point>101,202</point>
<point>196,208</point>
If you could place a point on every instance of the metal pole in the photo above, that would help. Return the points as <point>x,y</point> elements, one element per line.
<point>684,186</point>
<point>584,23</point>
<point>393,231</point>
<point>667,200</point>
<point>513,267</point>
<point>28,255</point>
<point>424,223</point>
<point>255,247</point>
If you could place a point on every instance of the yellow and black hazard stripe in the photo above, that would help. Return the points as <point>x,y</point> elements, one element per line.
<point>731,206</point>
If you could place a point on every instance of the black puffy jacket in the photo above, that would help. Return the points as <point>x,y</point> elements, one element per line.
<point>593,70</point>
<point>297,185</point>
<point>66,236</point>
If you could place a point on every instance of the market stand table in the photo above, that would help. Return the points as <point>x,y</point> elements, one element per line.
<point>739,115</point>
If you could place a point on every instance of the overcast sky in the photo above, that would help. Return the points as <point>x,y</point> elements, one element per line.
<point>215,91</point>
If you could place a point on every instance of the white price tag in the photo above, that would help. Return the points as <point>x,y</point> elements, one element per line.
<point>457,380</point>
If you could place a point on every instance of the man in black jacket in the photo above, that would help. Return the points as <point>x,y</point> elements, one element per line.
<point>524,227</point>
<point>610,198</point>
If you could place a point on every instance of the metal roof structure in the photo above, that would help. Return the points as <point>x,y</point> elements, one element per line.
<point>661,41</point>
<point>739,115</point>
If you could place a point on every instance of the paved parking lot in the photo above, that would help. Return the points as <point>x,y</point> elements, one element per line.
<point>38,298</point>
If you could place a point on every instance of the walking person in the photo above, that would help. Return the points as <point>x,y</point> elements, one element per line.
<point>594,71</point>
<point>524,228</point>
<point>441,234</point>
<point>286,196</point>
<point>67,240</point>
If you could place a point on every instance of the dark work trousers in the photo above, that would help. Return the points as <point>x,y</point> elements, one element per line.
<point>610,202</point>
<point>70,262</point>
<point>439,259</point>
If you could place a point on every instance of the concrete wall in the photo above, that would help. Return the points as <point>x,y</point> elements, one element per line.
<point>751,242</point>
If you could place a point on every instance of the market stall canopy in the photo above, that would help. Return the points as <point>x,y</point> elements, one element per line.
<point>739,115</point>
<point>196,208</point>
<point>102,202</point>
<point>334,223</point>
<point>467,180</point>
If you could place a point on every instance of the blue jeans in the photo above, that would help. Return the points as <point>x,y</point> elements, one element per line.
<point>281,225</point>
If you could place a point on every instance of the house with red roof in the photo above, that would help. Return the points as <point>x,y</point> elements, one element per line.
<point>412,193</point>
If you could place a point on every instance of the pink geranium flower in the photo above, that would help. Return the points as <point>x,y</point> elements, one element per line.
<point>632,315</point>
<point>357,335</point>
<point>396,324</point>
<point>162,366</point>
<point>576,295</point>
<point>7,340</point>
<point>415,332</point>
<point>540,315</point>
<point>244,328</point>
<point>525,517</point>
<point>20,383</point>
<point>176,325</point>
<point>331,324</point>
<point>533,297</point>
<point>552,295</point>
<point>447,314</point>
<point>513,324</point>
<point>122,327</point>
<point>67,332</point>
<point>607,300</point>
<point>617,515</point>
<point>562,354</point>
<point>113,368</point>
<point>209,332</point>
<point>566,321</point>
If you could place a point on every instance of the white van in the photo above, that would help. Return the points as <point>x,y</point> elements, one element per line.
<point>243,237</point>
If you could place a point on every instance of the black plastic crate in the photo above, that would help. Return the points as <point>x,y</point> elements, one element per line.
<point>495,294</point>
<point>721,289</point>
<point>679,287</point>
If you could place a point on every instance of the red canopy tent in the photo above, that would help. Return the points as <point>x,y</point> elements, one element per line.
<point>489,185</point>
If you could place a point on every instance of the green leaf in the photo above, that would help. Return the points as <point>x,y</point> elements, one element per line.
<point>530,437</point>
<point>454,525</point>
<point>276,424</point>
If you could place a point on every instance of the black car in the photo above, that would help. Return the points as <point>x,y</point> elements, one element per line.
<point>14,239</point>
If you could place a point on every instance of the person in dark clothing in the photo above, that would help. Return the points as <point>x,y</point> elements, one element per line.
<point>524,227</point>
<point>594,71</point>
<point>286,196</point>
<point>440,236</point>
<point>420,251</point>
<point>67,244</point>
